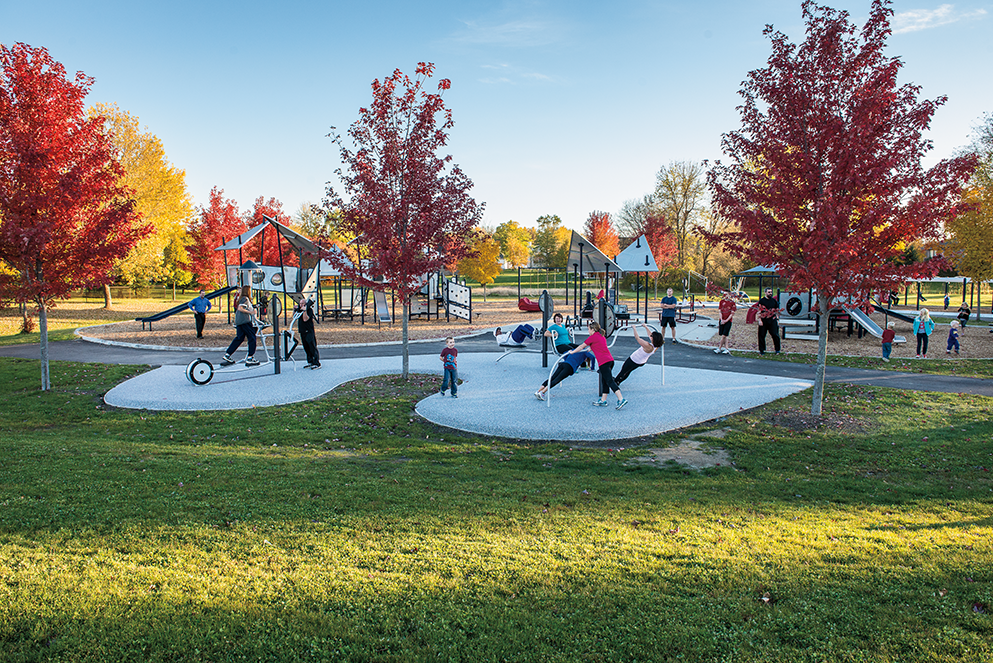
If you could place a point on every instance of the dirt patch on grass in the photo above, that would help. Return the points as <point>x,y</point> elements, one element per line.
<point>801,421</point>
<point>693,454</point>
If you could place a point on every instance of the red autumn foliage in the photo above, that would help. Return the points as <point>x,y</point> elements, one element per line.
<point>267,251</point>
<point>600,231</point>
<point>661,240</point>
<point>218,223</point>
<point>65,216</point>
<point>409,206</point>
<point>826,180</point>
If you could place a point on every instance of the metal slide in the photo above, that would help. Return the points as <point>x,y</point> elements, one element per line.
<point>183,307</point>
<point>382,306</point>
<point>868,324</point>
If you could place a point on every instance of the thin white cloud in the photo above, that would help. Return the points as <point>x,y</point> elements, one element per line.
<point>504,74</point>
<point>924,19</point>
<point>516,33</point>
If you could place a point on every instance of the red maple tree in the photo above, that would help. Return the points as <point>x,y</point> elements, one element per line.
<point>268,250</point>
<point>661,240</point>
<point>826,180</point>
<point>600,230</point>
<point>216,224</point>
<point>64,216</point>
<point>408,206</point>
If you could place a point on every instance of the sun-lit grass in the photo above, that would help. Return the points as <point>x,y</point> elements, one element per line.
<point>349,529</point>
<point>76,312</point>
<point>967,368</point>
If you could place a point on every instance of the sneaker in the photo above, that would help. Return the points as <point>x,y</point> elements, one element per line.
<point>918,356</point>
<point>315,366</point>
<point>252,361</point>
<point>600,403</point>
<point>948,352</point>
<point>227,361</point>
<point>717,351</point>
<point>673,341</point>
<point>621,403</point>
<point>726,351</point>
<point>455,395</point>
<point>442,392</point>
<point>886,360</point>
<point>540,396</point>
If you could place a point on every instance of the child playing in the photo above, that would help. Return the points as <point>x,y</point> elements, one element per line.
<point>888,336</point>
<point>449,356</point>
<point>953,337</point>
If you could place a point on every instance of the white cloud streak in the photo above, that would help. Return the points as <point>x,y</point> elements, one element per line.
<point>924,19</point>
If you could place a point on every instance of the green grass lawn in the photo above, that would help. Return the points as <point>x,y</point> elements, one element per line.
<point>969,368</point>
<point>349,529</point>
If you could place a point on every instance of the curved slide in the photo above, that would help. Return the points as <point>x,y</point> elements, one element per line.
<point>183,307</point>
<point>869,324</point>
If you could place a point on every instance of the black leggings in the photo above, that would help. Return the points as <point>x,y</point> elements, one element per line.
<point>922,343</point>
<point>626,370</point>
<point>563,371</point>
<point>607,383</point>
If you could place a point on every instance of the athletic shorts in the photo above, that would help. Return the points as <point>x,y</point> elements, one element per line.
<point>724,328</point>
<point>669,321</point>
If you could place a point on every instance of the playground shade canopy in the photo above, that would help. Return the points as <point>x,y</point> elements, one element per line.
<point>588,258</point>
<point>637,257</point>
<point>295,239</point>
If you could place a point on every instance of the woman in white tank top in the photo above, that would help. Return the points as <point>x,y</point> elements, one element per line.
<point>642,353</point>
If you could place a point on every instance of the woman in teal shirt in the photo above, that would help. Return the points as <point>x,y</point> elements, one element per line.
<point>560,335</point>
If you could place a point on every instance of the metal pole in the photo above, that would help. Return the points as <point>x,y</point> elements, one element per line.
<point>275,330</point>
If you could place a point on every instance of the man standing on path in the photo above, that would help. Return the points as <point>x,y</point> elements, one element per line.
<point>200,306</point>
<point>668,316</point>
<point>768,319</point>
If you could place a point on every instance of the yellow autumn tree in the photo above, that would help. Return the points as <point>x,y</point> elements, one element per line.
<point>971,234</point>
<point>162,200</point>
<point>484,265</point>
<point>515,243</point>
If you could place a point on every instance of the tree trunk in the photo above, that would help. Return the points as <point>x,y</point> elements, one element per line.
<point>406,346</point>
<point>107,301</point>
<point>46,381</point>
<point>173,291</point>
<point>822,340</point>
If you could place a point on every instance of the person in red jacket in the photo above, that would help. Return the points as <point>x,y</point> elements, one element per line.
<point>888,336</point>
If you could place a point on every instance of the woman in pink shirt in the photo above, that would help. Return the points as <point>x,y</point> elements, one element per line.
<point>597,344</point>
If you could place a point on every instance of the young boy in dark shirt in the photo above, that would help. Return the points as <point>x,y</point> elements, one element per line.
<point>449,357</point>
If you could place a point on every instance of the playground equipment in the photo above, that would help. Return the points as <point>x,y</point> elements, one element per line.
<point>638,259</point>
<point>548,394</point>
<point>149,319</point>
<point>200,371</point>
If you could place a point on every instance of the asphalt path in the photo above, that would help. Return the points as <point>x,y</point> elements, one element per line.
<point>680,355</point>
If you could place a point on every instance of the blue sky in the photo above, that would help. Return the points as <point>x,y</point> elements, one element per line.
<point>559,107</point>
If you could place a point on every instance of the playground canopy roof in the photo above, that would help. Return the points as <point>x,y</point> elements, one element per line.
<point>295,239</point>
<point>588,258</point>
<point>637,257</point>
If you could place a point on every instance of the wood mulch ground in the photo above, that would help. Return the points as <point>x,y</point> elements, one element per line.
<point>180,329</point>
<point>976,341</point>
